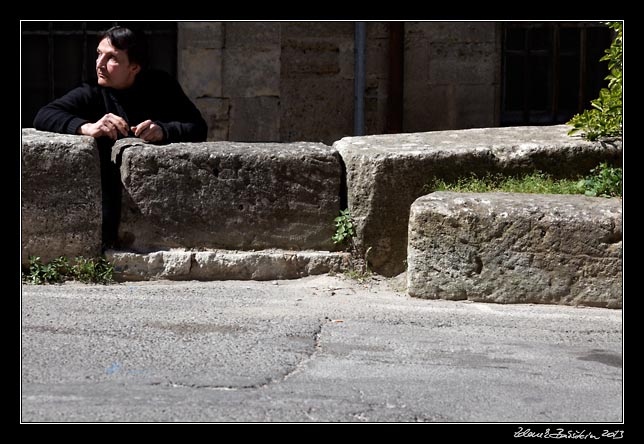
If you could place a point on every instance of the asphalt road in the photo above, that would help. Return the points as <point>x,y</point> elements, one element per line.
<point>325,349</point>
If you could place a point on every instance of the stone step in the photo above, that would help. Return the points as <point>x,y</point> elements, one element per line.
<point>181,264</point>
<point>386,173</point>
<point>516,248</point>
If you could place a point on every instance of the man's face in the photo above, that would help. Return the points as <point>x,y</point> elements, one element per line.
<point>113,66</point>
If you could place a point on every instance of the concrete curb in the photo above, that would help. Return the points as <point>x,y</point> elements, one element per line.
<point>209,265</point>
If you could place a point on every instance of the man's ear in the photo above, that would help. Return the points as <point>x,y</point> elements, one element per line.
<point>135,67</point>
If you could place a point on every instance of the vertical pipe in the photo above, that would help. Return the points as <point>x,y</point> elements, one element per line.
<point>359,78</point>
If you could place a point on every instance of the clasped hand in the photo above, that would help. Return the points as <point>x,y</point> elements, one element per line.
<point>111,125</point>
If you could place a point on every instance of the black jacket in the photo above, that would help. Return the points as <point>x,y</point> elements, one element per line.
<point>155,95</point>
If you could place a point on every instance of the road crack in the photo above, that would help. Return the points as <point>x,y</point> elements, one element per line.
<point>296,368</point>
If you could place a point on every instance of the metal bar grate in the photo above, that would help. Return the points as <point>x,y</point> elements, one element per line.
<point>551,70</point>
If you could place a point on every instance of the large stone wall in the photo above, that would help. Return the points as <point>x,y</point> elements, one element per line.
<point>211,209</point>
<point>292,81</point>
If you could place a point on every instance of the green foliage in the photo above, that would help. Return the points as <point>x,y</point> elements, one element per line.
<point>59,270</point>
<point>605,118</point>
<point>602,181</point>
<point>605,181</point>
<point>536,182</point>
<point>98,271</point>
<point>52,273</point>
<point>344,235</point>
<point>344,228</point>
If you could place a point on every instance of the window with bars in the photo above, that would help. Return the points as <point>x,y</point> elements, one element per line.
<point>551,70</point>
<point>58,56</point>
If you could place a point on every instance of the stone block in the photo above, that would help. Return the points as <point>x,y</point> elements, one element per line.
<point>305,58</point>
<point>316,30</point>
<point>208,35</point>
<point>387,173</point>
<point>475,106</point>
<point>251,73</point>
<point>254,119</point>
<point>258,36</point>
<point>463,63</point>
<point>327,103</point>
<point>228,195</point>
<point>200,72</point>
<point>225,264</point>
<point>61,211</point>
<point>464,32</point>
<point>427,108</point>
<point>216,113</point>
<point>516,248</point>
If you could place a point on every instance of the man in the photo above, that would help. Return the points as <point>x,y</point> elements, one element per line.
<point>129,100</point>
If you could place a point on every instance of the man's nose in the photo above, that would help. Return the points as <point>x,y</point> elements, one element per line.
<point>100,61</point>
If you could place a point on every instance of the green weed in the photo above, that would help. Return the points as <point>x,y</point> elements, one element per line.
<point>344,228</point>
<point>602,181</point>
<point>59,270</point>
<point>605,181</point>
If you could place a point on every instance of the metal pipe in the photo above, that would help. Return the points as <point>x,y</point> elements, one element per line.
<point>359,78</point>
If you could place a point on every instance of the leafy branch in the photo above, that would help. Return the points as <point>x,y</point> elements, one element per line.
<point>605,117</point>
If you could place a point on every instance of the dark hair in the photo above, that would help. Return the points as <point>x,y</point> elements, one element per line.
<point>131,40</point>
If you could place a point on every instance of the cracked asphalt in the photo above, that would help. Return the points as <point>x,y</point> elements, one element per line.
<point>323,349</point>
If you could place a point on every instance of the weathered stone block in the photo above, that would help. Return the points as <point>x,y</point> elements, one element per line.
<point>225,264</point>
<point>317,29</point>
<point>208,35</point>
<point>516,248</point>
<point>463,63</point>
<point>228,195</point>
<point>255,119</point>
<point>253,35</point>
<point>306,58</point>
<point>451,32</point>
<point>251,73</point>
<point>61,196</point>
<point>327,120</point>
<point>208,64</point>
<point>386,173</point>
<point>216,113</point>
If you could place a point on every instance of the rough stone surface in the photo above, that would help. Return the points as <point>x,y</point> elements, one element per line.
<point>225,264</point>
<point>516,248</point>
<point>228,195</point>
<point>386,173</point>
<point>61,196</point>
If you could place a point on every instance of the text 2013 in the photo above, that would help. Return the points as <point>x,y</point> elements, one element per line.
<point>568,434</point>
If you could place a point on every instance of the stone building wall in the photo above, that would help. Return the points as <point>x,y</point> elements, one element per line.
<point>291,81</point>
<point>452,75</point>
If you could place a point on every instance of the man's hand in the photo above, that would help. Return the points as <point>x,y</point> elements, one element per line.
<point>148,131</point>
<point>110,125</point>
